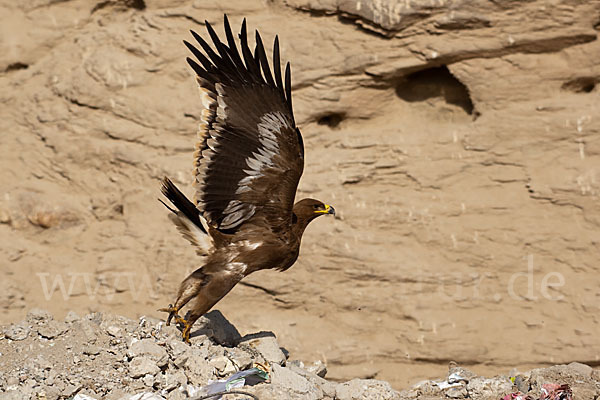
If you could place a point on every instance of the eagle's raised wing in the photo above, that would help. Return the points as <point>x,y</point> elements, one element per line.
<point>250,154</point>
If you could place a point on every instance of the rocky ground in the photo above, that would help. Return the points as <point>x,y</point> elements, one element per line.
<point>113,357</point>
<point>458,140</point>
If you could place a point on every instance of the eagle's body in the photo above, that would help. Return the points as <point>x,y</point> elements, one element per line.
<point>247,166</point>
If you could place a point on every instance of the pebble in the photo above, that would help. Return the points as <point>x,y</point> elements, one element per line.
<point>266,344</point>
<point>91,350</point>
<point>199,371</point>
<point>223,366</point>
<point>52,329</point>
<point>141,366</point>
<point>70,390</point>
<point>581,369</point>
<point>148,380</point>
<point>479,387</point>
<point>240,358</point>
<point>148,347</point>
<point>17,332</point>
<point>114,331</point>
<point>38,315</point>
<point>174,380</point>
<point>89,329</point>
<point>178,347</point>
<point>459,392</point>
<point>365,389</point>
<point>71,317</point>
<point>318,368</point>
<point>80,396</point>
<point>287,378</point>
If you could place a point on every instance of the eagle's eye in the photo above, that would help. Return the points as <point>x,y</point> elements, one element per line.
<point>316,206</point>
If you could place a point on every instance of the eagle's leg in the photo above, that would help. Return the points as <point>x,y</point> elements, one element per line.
<point>214,287</point>
<point>188,289</point>
<point>189,321</point>
<point>187,327</point>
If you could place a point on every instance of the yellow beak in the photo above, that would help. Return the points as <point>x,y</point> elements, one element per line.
<point>327,210</point>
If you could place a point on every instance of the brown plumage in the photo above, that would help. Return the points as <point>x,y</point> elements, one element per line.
<point>248,161</point>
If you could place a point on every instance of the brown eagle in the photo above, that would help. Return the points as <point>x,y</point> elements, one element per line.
<point>247,165</point>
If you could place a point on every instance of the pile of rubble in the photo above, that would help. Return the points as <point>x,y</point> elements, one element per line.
<point>113,357</point>
<point>559,382</point>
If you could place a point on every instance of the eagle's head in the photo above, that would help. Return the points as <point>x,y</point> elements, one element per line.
<point>308,209</point>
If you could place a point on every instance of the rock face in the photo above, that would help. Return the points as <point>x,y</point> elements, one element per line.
<point>459,141</point>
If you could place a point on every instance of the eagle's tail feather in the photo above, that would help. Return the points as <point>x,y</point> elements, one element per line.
<point>182,203</point>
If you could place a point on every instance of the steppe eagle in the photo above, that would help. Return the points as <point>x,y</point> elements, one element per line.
<point>248,161</point>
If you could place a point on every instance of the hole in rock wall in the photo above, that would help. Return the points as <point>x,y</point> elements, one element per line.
<point>584,84</point>
<point>16,66</point>
<point>137,4</point>
<point>332,120</point>
<point>123,4</point>
<point>436,82</point>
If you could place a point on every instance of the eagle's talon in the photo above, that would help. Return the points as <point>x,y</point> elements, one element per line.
<point>172,313</point>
